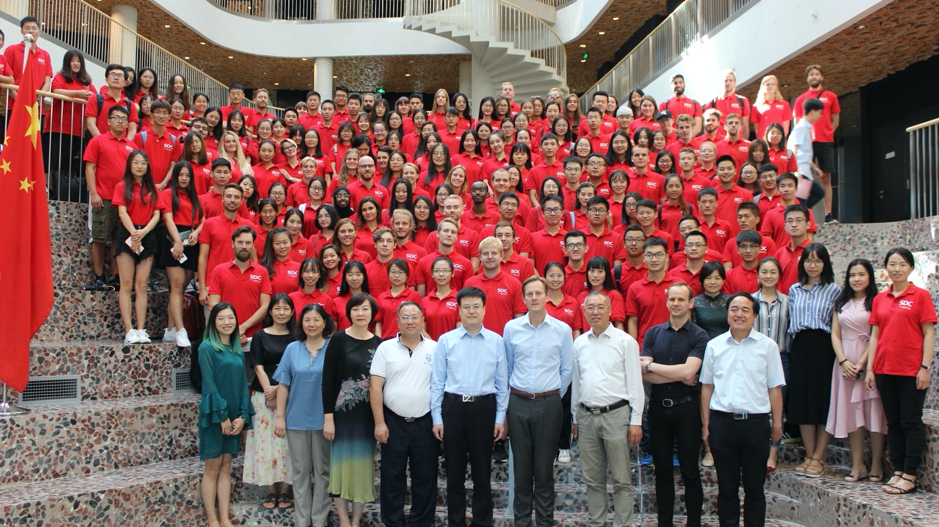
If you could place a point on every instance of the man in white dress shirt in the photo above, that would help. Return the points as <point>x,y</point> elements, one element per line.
<point>741,383</point>
<point>608,399</point>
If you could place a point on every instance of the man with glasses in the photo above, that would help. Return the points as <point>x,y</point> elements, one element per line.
<point>367,186</point>
<point>797,221</point>
<point>114,96</point>
<point>607,399</point>
<point>539,352</point>
<point>596,175</point>
<point>548,244</point>
<point>645,300</point>
<point>600,239</point>
<point>633,267</point>
<point>399,393</point>
<point>469,395</point>
<point>105,161</point>
<point>743,276</point>
<point>573,169</point>
<point>748,219</point>
<point>774,222</point>
<point>555,95</point>
<point>696,247</point>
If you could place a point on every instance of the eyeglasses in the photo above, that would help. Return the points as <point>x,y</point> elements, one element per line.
<point>575,246</point>
<point>471,307</point>
<point>655,256</point>
<point>118,119</point>
<point>441,271</point>
<point>749,247</point>
<point>596,210</point>
<point>793,221</point>
<point>552,210</point>
<point>396,272</point>
<point>813,263</point>
<point>406,318</point>
<point>695,245</point>
<point>596,165</point>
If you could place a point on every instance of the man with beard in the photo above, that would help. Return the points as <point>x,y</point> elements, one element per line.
<point>681,104</point>
<point>214,239</point>
<point>243,284</point>
<point>366,185</point>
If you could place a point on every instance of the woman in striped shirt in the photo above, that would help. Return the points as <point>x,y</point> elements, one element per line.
<point>811,355</point>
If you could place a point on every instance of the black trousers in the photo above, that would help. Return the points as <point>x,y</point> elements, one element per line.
<point>409,442</point>
<point>533,425</point>
<point>740,449</point>
<point>567,419</point>
<point>467,436</point>
<point>903,408</point>
<point>679,425</point>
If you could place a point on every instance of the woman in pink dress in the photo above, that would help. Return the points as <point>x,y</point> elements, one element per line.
<point>855,409</point>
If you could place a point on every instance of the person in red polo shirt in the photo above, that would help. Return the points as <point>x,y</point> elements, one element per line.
<point>729,194</point>
<point>402,226</point>
<point>517,266</point>
<point>479,216</point>
<point>717,230</point>
<point>503,292</point>
<point>163,149</point>
<point>707,162</point>
<point>377,269</point>
<point>681,104</point>
<point>730,102</point>
<point>283,271</point>
<point>692,181</point>
<point>696,247</point>
<point>774,224</point>
<point>509,203</point>
<point>596,175</point>
<point>236,95</point>
<point>601,241</point>
<point>105,163</point>
<point>733,144</point>
<point>447,231</point>
<point>747,220</point>
<point>770,107</point>
<point>341,99</point>
<point>366,185</point>
<point>644,181</point>
<point>215,239</point>
<point>259,112</point>
<point>15,55</point>
<point>823,130</point>
<point>550,165</point>
<point>743,277</point>
<point>645,300</point>
<point>646,215</point>
<point>243,284</point>
<point>575,247</point>
<point>768,198</point>
<point>797,220</point>
<point>684,126</point>
<point>608,124</point>
<point>113,97</point>
<point>599,141</point>
<point>903,336</point>
<point>633,267</point>
<point>548,243</point>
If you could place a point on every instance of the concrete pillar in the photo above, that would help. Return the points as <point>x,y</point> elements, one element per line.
<point>466,77</point>
<point>323,77</point>
<point>326,10</point>
<point>123,41</point>
<point>480,82</point>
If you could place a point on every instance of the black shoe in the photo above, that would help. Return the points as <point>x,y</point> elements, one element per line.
<point>830,219</point>
<point>499,455</point>
<point>97,284</point>
<point>114,284</point>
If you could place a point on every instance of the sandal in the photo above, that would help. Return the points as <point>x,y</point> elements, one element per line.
<point>286,500</point>
<point>897,490</point>
<point>708,460</point>
<point>815,468</point>
<point>875,478</point>
<point>854,478</point>
<point>804,466</point>
<point>270,502</point>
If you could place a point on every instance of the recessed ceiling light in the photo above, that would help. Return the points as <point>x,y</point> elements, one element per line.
<point>583,45</point>
<point>583,60</point>
<point>603,32</point>
<point>407,74</point>
<point>335,77</point>
<point>230,57</point>
<point>166,26</point>
<point>187,58</point>
<point>615,18</point>
<point>304,58</point>
<point>276,84</point>
<point>203,43</point>
<point>859,27</point>
<point>265,73</point>
<point>785,85</point>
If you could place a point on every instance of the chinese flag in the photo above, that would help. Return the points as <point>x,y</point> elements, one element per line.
<point>26,264</point>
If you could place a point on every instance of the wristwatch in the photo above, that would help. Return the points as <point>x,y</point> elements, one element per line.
<point>648,367</point>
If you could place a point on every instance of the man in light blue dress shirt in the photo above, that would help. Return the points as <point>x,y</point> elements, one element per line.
<point>469,394</point>
<point>539,351</point>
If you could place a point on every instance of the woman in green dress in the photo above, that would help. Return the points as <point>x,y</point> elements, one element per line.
<point>224,411</point>
<point>347,415</point>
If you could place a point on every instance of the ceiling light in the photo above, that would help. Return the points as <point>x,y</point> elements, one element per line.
<point>603,32</point>
<point>303,58</point>
<point>785,85</point>
<point>859,27</point>
<point>583,60</point>
<point>583,45</point>
<point>203,43</point>
<point>407,74</point>
<point>187,58</point>
<point>615,18</point>
<point>335,77</point>
<point>166,26</point>
<point>230,57</point>
<point>276,84</point>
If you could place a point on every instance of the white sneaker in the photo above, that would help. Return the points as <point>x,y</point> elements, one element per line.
<point>132,337</point>
<point>182,339</point>
<point>564,456</point>
<point>169,335</point>
<point>143,337</point>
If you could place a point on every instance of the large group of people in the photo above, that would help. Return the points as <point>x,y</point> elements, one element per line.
<point>374,272</point>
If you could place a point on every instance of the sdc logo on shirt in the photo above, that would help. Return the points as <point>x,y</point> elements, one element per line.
<point>906,304</point>
<point>502,291</point>
<point>291,273</point>
<point>452,305</point>
<point>256,278</point>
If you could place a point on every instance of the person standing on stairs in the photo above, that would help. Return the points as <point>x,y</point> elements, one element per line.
<point>903,339</point>
<point>741,380</point>
<point>671,357</point>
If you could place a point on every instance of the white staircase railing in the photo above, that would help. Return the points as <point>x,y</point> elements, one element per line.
<point>924,169</point>
<point>306,9</point>
<point>498,20</point>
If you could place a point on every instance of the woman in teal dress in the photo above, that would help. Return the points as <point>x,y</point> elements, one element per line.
<point>224,411</point>
<point>347,419</point>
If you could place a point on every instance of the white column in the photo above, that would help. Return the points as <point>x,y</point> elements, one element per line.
<point>323,77</point>
<point>480,82</point>
<point>466,77</point>
<point>123,41</point>
<point>17,9</point>
<point>326,10</point>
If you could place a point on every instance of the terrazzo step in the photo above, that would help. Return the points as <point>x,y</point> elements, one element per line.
<point>71,256</point>
<point>110,369</point>
<point>830,500</point>
<point>57,442</point>
<point>82,315</point>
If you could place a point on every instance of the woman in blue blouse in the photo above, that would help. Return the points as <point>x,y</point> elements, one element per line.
<point>225,409</point>
<point>811,354</point>
<point>300,414</point>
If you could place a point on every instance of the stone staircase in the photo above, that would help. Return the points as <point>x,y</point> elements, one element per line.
<point>127,453</point>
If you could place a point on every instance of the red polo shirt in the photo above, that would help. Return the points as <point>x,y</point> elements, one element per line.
<point>669,241</point>
<point>440,314</point>
<point>91,110</point>
<point>473,166</point>
<point>741,279</point>
<point>329,135</point>
<point>693,185</point>
<point>575,282</point>
<point>607,126</point>
<point>789,258</point>
<point>901,318</point>
<point>774,112</point>
<point>822,130</point>
<point>717,233</point>
<point>547,247</point>
<point>467,242</point>
<point>183,215</point>
<point>302,299</point>
<point>737,150</point>
<point>641,122</point>
<point>681,106</point>
<point>412,253</point>
<point>599,143</point>
<point>783,159</point>
<point>730,104</point>
<point>377,273</point>
<point>727,202</point>
<point>680,258</point>
<point>607,244</point>
<point>216,233</point>
<point>670,215</point>
<point>646,300</point>
<point>227,110</point>
<point>766,204</point>
<point>538,173</point>
<point>109,155</point>
<point>568,312</point>
<point>266,177</point>
<point>774,225</point>
<point>42,67</point>
<point>163,150</point>
<point>140,213</point>
<point>522,243</point>
<point>388,309</point>
<point>706,173</point>
<point>503,299</point>
<point>462,270</point>
<point>478,223</point>
<point>301,249</point>
<point>767,248</point>
<point>359,190</point>
<point>242,290</point>
<point>676,146</point>
<point>629,274</point>
<point>693,279</point>
<point>286,277</point>
<point>65,117</point>
<point>517,267</point>
<point>650,185</point>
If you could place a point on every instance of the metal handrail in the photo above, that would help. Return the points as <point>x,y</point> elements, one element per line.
<point>687,24</point>
<point>305,10</point>
<point>924,169</point>
<point>496,19</point>
<point>916,127</point>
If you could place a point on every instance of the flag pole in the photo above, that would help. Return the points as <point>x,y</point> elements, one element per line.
<point>8,410</point>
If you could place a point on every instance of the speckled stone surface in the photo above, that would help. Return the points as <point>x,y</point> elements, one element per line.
<point>60,440</point>
<point>71,257</point>
<point>89,316</point>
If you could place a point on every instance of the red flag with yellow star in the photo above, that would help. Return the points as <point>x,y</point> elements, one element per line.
<point>26,265</point>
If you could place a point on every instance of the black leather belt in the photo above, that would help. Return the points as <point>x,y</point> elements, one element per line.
<point>605,409</point>
<point>668,403</point>
<point>542,395</point>
<point>407,419</point>
<point>469,398</point>
<point>740,416</point>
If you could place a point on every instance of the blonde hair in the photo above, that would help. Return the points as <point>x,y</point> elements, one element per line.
<point>240,158</point>
<point>490,240</point>
<point>464,186</point>
<point>434,108</point>
<point>343,173</point>
<point>761,96</point>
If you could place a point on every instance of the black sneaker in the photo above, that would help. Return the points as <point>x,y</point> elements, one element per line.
<point>97,284</point>
<point>499,454</point>
<point>114,284</point>
<point>830,219</point>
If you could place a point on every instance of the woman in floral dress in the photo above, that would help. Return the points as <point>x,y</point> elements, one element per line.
<point>347,419</point>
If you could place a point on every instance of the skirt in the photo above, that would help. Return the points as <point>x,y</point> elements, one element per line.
<point>853,406</point>
<point>811,358</point>
<point>165,258</point>
<point>267,458</point>
<point>150,243</point>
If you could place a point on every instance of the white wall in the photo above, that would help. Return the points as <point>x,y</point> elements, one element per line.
<point>763,37</point>
<point>12,31</point>
<point>289,39</point>
<point>576,18</point>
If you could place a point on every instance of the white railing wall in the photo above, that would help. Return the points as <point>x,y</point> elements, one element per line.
<point>689,23</point>
<point>924,169</point>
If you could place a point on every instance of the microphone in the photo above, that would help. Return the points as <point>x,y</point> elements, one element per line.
<point>28,38</point>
